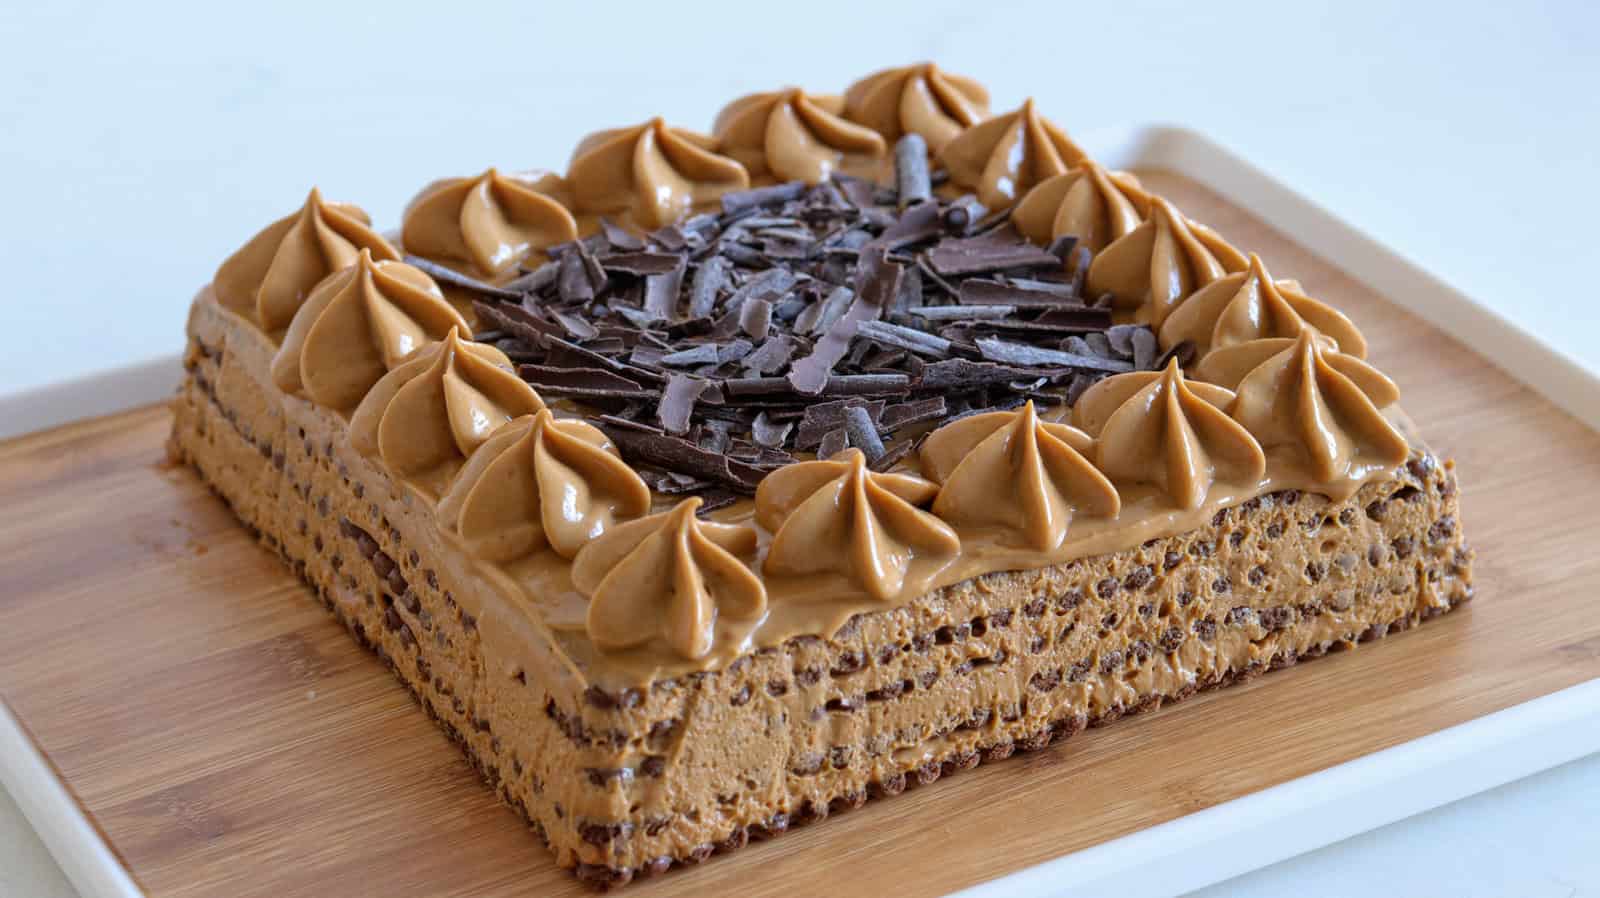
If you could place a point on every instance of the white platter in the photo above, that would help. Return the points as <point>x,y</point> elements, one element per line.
<point>1186,853</point>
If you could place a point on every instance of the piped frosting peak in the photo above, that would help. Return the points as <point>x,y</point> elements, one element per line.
<point>357,325</point>
<point>487,224</point>
<point>1088,202</point>
<point>1013,472</point>
<point>1002,158</point>
<point>650,175</point>
<point>790,135</point>
<point>1250,305</point>
<point>268,278</point>
<point>1158,428</point>
<point>670,576</point>
<point>839,516</point>
<point>424,418</point>
<point>917,99</point>
<point>1304,399</point>
<point>541,481</point>
<point>1156,265</point>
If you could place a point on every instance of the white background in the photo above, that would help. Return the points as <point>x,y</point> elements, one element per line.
<point>140,143</point>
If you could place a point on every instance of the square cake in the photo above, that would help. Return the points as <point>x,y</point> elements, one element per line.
<point>723,482</point>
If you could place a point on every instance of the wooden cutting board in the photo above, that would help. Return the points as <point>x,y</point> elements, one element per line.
<point>227,737</point>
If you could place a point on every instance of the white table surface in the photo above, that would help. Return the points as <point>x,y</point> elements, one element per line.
<point>143,142</point>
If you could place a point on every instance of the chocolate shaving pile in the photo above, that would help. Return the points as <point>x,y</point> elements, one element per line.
<point>804,319</point>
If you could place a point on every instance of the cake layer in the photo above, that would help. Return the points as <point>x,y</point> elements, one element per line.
<point>633,780</point>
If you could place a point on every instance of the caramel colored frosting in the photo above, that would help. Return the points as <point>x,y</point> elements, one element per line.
<point>538,482</point>
<point>424,418</point>
<point>650,175</point>
<point>918,99</point>
<point>671,577</point>
<point>790,135</point>
<point>485,225</point>
<point>1317,407</point>
<point>1010,471</point>
<point>1159,428</point>
<point>357,325</point>
<point>1159,263</point>
<point>1002,158</point>
<point>268,278</point>
<point>1250,305</point>
<point>838,516</point>
<point>1088,202</point>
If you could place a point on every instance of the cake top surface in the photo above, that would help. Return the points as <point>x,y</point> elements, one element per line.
<point>726,389</point>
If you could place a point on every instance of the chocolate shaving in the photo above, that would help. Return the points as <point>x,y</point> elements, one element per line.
<point>733,351</point>
<point>1120,338</point>
<point>906,338</point>
<point>642,264</point>
<point>677,454</point>
<point>955,374</point>
<point>892,456</point>
<point>770,433</point>
<point>755,318</point>
<point>577,328</point>
<point>702,354</point>
<point>770,356</point>
<point>572,280</point>
<point>590,383</point>
<point>979,292</point>
<point>1063,246</point>
<point>527,326</point>
<point>960,216</point>
<point>998,350</point>
<point>863,433</point>
<point>963,313</point>
<point>824,417</point>
<point>904,414</point>
<point>743,200</point>
<point>618,237</point>
<point>810,374</point>
<point>456,279</point>
<point>833,443</point>
<point>535,280</point>
<point>919,223</point>
<point>998,251</point>
<point>677,402</point>
<point>709,279</point>
<point>911,180</point>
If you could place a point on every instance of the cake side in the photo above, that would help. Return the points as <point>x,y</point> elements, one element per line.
<point>626,781</point>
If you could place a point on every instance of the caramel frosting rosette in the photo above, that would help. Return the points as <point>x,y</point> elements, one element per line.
<point>484,226</point>
<point>541,481</point>
<point>1250,305</point>
<point>1088,202</point>
<point>268,278</point>
<point>357,325</point>
<point>670,576</point>
<point>1158,428</point>
<point>1012,472</point>
<point>1002,158</point>
<point>838,516</point>
<point>425,418</point>
<point>1161,262</point>
<point>790,135</point>
<point>917,99</point>
<point>650,175</point>
<point>1318,408</point>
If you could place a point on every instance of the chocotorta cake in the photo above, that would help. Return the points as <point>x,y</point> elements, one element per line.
<point>726,481</point>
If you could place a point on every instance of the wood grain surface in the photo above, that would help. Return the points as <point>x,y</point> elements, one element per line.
<point>228,737</point>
